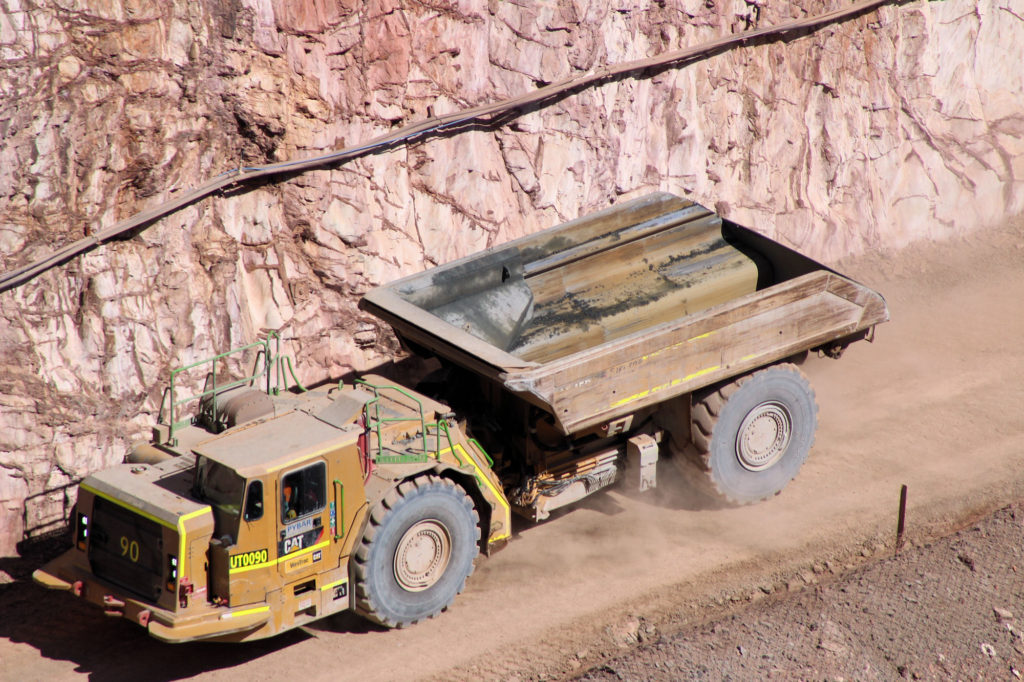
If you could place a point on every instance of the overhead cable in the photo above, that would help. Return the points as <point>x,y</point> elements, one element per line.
<point>484,115</point>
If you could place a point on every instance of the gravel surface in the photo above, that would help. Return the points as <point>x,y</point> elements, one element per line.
<point>953,609</point>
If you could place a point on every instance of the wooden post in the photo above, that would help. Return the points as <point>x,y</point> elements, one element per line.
<point>901,520</point>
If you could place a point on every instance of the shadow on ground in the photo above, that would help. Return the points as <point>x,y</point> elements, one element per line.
<point>61,627</point>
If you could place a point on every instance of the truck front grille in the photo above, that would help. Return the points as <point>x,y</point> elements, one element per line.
<point>126,549</point>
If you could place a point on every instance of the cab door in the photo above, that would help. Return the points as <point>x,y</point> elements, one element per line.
<point>251,559</point>
<point>303,523</point>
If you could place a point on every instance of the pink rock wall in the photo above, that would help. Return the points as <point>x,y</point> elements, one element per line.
<point>902,124</point>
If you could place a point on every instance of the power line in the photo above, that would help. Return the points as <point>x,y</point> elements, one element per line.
<point>484,115</point>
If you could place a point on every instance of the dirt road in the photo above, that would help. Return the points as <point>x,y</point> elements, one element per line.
<point>937,403</point>
<point>950,610</point>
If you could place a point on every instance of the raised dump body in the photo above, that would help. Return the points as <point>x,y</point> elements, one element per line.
<point>616,311</point>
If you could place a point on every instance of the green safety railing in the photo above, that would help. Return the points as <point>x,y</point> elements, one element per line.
<point>375,422</point>
<point>339,511</point>
<point>480,449</point>
<point>270,365</point>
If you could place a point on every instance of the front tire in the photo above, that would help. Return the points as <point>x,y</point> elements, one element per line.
<point>416,553</point>
<point>749,437</point>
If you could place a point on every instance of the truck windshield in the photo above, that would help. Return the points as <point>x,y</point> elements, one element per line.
<point>222,488</point>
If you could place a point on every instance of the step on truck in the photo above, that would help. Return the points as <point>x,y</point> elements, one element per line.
<point>568,360</point>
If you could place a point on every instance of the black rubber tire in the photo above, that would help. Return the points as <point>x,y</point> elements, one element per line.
<point>379,594</point>
<point>724,474</point>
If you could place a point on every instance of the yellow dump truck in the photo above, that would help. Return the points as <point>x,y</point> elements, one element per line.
<point>569,360</point>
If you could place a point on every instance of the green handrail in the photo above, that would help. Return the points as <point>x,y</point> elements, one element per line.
<point>269,363</point>
<point>339,486</point>
<point>442,424</point>
<point>480,449</point>
<point>375,423</point>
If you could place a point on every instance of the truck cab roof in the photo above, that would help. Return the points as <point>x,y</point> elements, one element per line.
<point>321,422</point>
<point>158,491</point>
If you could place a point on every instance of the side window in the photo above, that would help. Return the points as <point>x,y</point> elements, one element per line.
<point>254,501</point>
<point>303,492</point>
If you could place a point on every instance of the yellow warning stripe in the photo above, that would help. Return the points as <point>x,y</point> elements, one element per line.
<point>662,387</point>
<point>180,527</point>
<point>131,508</point>
<point>311,548</point>
<point>181,538</point>
<point>676,345</point>
<point>487,482</point>
<point>334,584</point>
<point>244,612</point>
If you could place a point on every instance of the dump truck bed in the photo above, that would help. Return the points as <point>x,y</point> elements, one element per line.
<point>604,315</point>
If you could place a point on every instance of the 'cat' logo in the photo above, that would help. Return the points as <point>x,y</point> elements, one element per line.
<point>292,544</point>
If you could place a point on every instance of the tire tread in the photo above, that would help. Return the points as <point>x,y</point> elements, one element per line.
<point>365,603</point>
<point>694,460</point>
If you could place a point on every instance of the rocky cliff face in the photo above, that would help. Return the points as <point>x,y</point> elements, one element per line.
<point>901,124</point>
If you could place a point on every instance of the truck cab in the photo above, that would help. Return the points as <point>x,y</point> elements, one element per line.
<point>280,511</point>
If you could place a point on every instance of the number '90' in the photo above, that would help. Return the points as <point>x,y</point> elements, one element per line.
<point>130,548</point>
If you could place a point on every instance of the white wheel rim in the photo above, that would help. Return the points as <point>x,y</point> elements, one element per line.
<point>422,555</point>
<point>764,436</point>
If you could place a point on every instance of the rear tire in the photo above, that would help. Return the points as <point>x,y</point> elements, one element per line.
<point>416,553</point>
<point>749,437</point>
